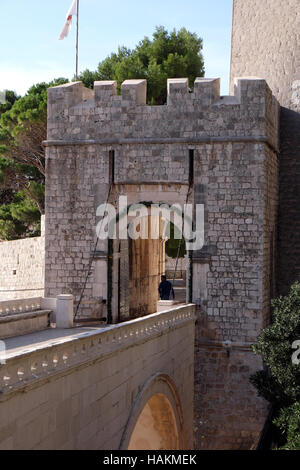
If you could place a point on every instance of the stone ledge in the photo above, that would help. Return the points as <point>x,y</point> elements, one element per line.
<point>11,317</point>
<point>26,366</point>
<point>12,324</point>
<point>133,92</point>
<point>206,139</point>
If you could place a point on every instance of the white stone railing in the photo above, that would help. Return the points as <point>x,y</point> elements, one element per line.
<point>31,364</point>
<point>13,307</point>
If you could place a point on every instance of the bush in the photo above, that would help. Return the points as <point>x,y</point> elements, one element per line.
<point>279,382</point>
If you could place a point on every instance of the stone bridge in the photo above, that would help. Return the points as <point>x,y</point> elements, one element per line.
<point>125,386</point>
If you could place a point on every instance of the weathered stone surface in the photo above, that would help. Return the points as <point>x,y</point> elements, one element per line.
<point>265,42</point>
<point>22,268</point>
<point>84,388</point>
<point>234,142</point>
<point>288,264</point>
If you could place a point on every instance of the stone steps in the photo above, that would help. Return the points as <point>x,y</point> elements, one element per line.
<point>178,282</point>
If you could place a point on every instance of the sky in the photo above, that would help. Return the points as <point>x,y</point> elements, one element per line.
<point>30,51</point>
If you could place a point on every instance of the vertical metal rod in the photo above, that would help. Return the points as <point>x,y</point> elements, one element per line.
<point>77,37</point>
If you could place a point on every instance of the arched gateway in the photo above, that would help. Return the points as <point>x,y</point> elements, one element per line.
<point>156,419</point>
<point>224,149</point>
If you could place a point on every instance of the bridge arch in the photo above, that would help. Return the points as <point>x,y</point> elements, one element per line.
<point>156,418</point>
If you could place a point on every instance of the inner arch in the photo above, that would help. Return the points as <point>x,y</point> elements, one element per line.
<point>156,427</point>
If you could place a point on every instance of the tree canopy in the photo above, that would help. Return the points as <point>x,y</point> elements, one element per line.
<point>23,120</point>
<point>23,127</point>
<point>168,55</point>
<point>175,247</point>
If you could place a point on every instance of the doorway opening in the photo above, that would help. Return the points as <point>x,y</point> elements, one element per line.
<point>152,249</point>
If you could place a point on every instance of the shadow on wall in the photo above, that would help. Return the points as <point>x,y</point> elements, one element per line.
<point>288,259</point>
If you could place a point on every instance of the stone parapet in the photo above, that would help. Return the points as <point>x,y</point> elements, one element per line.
<point>22,316</point>
<point>13,307</point>
<point>79,114</point>
<point>25,366</point>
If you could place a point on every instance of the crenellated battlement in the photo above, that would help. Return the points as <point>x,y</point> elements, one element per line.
<point>206,91</point>
<point>77,113</point>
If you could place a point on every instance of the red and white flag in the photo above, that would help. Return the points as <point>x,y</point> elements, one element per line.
<point>72,11</point>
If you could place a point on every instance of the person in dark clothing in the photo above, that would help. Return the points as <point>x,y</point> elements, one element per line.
<point>165,289</point>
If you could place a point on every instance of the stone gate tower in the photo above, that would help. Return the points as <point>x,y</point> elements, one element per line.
<point>220,152</point>
<point>265,43</point>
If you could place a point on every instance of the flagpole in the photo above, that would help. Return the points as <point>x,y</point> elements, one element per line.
<point>77,37</point>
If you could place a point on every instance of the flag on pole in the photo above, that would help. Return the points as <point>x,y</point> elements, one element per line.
<point>72,11</point>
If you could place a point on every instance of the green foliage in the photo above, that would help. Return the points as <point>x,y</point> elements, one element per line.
<point>10,97</point>
<point>173,243</point>
<point>21,113</point>
<point>168,55</point>
<point>289,424</point>
<point>23,127</point>
<point>20,218</point>
<point>88,78</point>
<point>279,382</point>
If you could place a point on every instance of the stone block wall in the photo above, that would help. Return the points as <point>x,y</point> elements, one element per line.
<point>265,43</point>
<point>22,268</point>
<point>239,188</point>
<point>76,181</point>
<point>228,413</point>
<point>151,146</point>
<point>187,116</point>
<point>234,141</point>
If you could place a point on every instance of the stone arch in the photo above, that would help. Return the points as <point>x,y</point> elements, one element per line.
<point>139,264</point>
<point>123,304</point>
<point>156,419</point>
